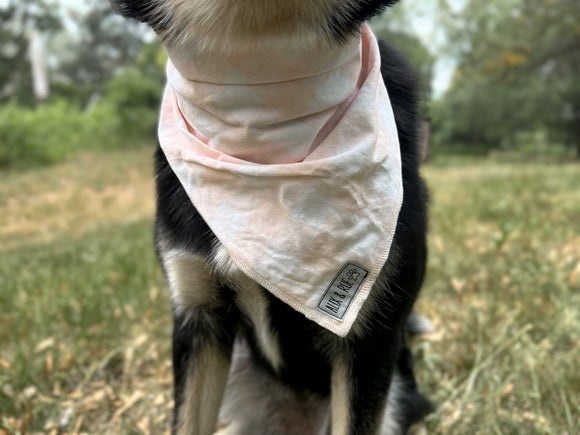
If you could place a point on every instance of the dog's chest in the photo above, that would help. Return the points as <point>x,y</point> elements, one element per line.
<point>251,301</point>
<point>195,282</point>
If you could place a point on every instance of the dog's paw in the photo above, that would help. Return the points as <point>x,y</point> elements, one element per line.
<point>417,429</point>
<point>418,325</point>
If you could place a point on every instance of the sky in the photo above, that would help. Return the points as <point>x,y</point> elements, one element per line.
<point>424,26</point>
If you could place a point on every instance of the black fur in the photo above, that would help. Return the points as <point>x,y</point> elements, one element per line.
<point>347,18</point>
<point>215,327</point>
<point>145,11</point>
<point>414,405</point>
<point>307,349</point>
<point>376,347</point>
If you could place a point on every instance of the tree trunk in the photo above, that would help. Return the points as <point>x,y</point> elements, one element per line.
<point>40,83</point>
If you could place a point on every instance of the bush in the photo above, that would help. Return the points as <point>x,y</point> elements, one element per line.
<point>42,135</point>
<point>125,117</point>
<point>135,99</point>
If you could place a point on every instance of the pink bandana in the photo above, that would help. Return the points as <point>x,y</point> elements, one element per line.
<point>293,161</point>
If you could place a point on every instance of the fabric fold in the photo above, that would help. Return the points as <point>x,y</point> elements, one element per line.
<point>308,210</point>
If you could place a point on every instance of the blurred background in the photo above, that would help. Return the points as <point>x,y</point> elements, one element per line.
<point>84,316</point>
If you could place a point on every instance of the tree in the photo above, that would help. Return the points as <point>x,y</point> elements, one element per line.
<point>394,27</point>
<point>519,63</point>
<point>19,20</point>
<point>105,44</point>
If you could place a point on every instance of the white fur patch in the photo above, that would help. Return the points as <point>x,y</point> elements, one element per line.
<point>251,301</point>
<point>340,401</point>
<point>257,403</point>
<point>391,425</point>
<point>203,392</point>
<point>234,25</point>
<point>190,282</point>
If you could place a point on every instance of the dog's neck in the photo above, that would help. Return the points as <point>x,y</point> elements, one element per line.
<point>229,26</point>
<point>264,105</point>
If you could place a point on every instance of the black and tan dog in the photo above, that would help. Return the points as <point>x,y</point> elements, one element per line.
<point>244,361</point>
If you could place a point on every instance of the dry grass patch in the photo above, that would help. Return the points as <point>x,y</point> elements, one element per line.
<point>86,321</point>
<point>75,197</point>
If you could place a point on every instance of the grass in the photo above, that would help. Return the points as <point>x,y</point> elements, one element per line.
<point>503,289</point>
<point>85,316</point>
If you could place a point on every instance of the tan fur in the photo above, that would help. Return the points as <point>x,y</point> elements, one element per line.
<point>256,402</point>
<point>235,25</point>
<point>339,402</point>
<point>251,301</point>
<point>203,392</point>
<point>190,282</point>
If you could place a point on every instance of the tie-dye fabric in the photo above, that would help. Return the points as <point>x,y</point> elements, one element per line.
<point>293,161</point>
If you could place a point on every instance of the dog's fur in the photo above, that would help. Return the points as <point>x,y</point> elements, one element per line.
<point>241,356</point>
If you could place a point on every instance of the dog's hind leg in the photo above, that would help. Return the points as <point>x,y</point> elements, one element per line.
<point>203,335</point>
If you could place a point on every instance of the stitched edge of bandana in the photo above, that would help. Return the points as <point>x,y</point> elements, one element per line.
<point>339,327</point>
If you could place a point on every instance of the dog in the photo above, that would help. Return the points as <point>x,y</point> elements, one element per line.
<point>246,358</point>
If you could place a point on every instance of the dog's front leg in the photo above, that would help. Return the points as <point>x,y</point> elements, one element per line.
<point>360,380</point>
<point>203,335</point>
<point>201,361</point>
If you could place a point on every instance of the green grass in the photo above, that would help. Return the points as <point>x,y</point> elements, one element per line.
<point>85,322</point>
<point>72,305</point>
<point>503,288</point>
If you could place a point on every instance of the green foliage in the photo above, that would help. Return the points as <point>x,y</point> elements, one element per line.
<point>125,117</point>
<point>47,134</point>
<point>135,99</point>
<point>392,27</point>
<point>17,19</point>
<point>492,115</point>
<point>104,45</point>
<point>123,111</point>
<point>519,63</point>
<point>152,60</point>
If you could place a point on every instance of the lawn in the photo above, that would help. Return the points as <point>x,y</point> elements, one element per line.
<point>85,320</point>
